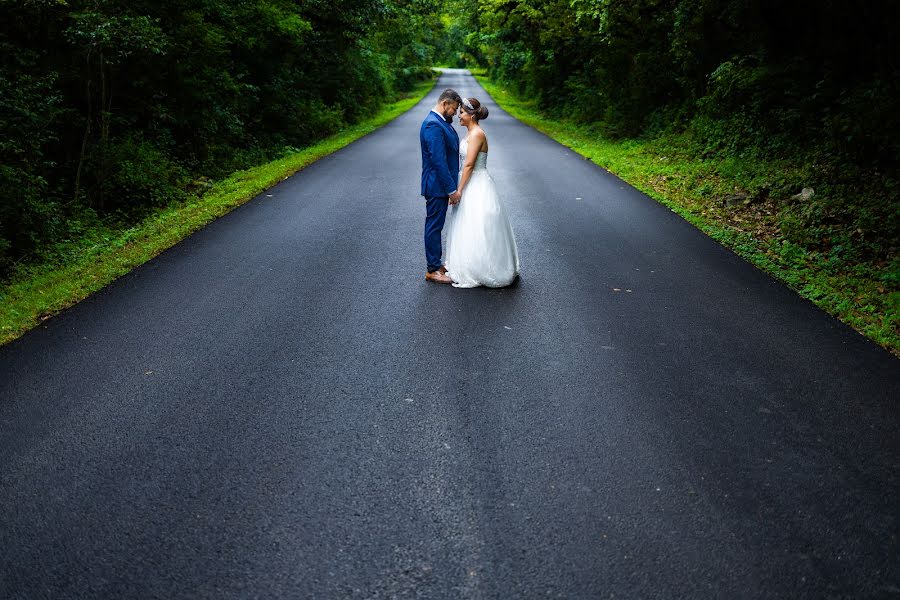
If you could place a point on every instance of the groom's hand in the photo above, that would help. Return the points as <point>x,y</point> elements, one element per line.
<point>454,197</point>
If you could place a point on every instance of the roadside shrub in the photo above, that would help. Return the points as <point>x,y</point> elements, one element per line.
<point>110,107</point>
<point>141,177</point>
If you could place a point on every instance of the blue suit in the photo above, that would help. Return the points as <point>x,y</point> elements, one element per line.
<point>440,169</point>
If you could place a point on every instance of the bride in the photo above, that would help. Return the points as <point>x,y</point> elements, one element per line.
<point>481,247</point>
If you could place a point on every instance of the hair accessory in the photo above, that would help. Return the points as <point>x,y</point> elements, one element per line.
<point>467,104</point>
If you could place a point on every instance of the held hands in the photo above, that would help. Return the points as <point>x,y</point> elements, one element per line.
<point>454,198</point>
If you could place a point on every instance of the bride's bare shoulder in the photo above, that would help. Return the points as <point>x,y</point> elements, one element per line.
<point>479,136</point>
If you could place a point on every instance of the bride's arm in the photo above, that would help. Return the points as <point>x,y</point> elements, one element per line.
<point>476,140</point>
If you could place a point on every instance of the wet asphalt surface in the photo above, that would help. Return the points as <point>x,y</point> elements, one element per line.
<point>281,407</point>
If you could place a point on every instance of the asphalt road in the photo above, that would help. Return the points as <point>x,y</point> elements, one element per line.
<point>281,407</point>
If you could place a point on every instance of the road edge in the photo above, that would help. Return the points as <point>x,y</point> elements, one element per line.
<point>738,242</point>
<point>46,290</point>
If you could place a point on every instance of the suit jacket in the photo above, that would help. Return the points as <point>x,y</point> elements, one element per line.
<point>440,156</point>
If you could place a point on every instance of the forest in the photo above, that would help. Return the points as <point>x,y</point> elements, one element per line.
<point>112,109</point>
<point>812,83</point>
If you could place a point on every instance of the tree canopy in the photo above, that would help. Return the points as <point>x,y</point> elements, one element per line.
<point>109,108</point>
<point>815,82</point>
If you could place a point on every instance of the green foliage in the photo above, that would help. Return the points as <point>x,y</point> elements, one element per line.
<point>29,109</point>
<point>809,83</point>
<point>789,244</point>
<point>111,108</point>
<point>118,36</point>
<point>461,41</point>
<point>97,253</point>
<point>143,174</point>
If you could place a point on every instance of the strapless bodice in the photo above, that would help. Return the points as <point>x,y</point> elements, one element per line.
<point>480,160</point>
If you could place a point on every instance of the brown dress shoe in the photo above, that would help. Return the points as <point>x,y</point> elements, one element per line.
<point>443,270</point>
<point>437,277</point>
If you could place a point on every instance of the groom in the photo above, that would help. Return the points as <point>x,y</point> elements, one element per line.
<point>440,166</point>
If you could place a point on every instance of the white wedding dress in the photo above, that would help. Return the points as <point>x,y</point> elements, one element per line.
<point>481,246</point>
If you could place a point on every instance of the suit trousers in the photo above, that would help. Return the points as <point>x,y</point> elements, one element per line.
<point>436,213</point>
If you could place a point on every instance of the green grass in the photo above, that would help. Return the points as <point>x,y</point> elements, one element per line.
<point>862,295</point>
<point>90,264</point>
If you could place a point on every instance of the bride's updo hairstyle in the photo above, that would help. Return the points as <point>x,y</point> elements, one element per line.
<point>475,108</point>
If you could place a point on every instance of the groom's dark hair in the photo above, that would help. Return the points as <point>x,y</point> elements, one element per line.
<point>450,95</point>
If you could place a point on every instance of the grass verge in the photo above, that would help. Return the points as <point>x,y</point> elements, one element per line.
<point>862,295</point>
<point>38,292</point>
